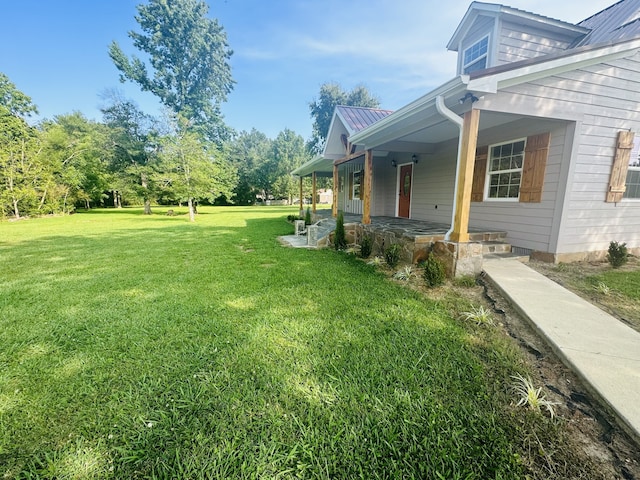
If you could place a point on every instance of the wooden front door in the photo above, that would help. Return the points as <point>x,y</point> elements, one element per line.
<point>404,186</point>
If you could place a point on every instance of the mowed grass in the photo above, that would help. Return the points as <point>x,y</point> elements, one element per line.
<point>149,347</point>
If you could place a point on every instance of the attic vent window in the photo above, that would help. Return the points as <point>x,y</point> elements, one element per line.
<point>475,57</point>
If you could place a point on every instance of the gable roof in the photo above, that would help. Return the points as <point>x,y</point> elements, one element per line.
<point>617,22</point>
<point>349,121</point>
<point>515,15</point>
<point>359,118</point>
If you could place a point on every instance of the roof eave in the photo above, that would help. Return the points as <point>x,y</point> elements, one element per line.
<point>363,137</point>
<point>492,80</point>
<point>317,164</point>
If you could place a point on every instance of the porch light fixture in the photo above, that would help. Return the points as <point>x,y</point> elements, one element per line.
<point>414,158</point>
<point>394,164</point>
<point>468,96</point>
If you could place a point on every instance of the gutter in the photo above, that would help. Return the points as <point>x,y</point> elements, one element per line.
<point>450,115</point>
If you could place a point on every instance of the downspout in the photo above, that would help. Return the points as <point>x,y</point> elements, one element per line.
<point>445,112</point>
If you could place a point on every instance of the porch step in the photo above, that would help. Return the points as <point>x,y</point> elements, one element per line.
<point>493,246</point>
<point>501,250</point>
<point>487,236</point>
<point>506,256</point>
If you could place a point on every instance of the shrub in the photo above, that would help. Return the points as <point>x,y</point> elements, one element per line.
<point>366,246</point>
<point>434,273</point>
<point>307,217</point>
<point>467,281</point>
<point>617,255</point>
<point>340,238</point>
<point>392,255</point>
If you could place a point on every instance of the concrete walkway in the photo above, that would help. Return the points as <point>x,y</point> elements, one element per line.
<point>596,346</point>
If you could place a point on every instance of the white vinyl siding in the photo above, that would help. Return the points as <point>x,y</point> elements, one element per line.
<point>383,199</point>
<point>520,42</point>
<point>603,99</point>
<point>481,30</point>
<point>346,201</point>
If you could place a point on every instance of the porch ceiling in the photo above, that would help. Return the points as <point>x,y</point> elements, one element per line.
<point>425,139</point>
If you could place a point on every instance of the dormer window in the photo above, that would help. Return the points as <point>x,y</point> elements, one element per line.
<point>475,57</point>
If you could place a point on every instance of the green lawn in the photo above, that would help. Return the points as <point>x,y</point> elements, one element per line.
<point>139,347</point>
<point>624,282</point>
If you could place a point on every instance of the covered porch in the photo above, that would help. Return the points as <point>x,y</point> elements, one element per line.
<point>417,237</point>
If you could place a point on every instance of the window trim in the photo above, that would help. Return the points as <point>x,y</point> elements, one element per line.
<point>635,153</point>
<point>487,180</point>
<point>465,65</point>
<point>356,175</point>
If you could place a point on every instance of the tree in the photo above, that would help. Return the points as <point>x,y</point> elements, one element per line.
<point>132,147</point>
<point>73,151</point>
<point>247,152</point>
<point>13,100</point>
<point>188,66</point>
<point>331,95</point>
<point>287,153</point>
<point>191,169</point>
<point>20,174</point>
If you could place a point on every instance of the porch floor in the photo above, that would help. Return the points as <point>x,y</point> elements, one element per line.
<point>418,230</point>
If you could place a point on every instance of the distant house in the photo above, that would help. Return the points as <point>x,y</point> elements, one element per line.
<point>537,136</point>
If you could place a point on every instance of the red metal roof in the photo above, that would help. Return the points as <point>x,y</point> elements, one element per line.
<point>359,118</point>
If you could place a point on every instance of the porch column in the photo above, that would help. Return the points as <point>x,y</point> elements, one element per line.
<point>301,199</point>
<point>469,141</point>
<point>334,207</point>
<point>313,189</point>
<point>366,187</point>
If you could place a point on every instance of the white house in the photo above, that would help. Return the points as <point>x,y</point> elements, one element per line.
<point>537,136</point>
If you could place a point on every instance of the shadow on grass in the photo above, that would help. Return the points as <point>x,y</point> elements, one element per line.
<point>211,351</point>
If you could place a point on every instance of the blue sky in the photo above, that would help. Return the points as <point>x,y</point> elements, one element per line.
<point>55,51</point>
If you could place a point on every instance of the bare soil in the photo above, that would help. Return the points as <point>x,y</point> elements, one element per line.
<point>576,277</point>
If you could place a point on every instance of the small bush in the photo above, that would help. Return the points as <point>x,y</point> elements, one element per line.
<point>392,255</point>
<point>468,281</point>
<point>434,272</point>
<point>293,218</point>
<point>617,255</point>
<point>307,217</point>
<point>365,246</point>
<point>340,238</point>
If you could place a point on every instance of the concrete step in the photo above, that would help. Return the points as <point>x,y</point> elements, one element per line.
<point>505,256</point>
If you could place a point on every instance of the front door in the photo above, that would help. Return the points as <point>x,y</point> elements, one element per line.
<point>404,202</point>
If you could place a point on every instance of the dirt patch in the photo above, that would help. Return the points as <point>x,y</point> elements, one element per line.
<point>578,277</point>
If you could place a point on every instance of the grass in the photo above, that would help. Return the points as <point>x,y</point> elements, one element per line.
<point>148,347</point>
<point>627,283</point>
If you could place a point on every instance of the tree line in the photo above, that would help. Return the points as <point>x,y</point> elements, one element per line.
<point>187,156</point>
